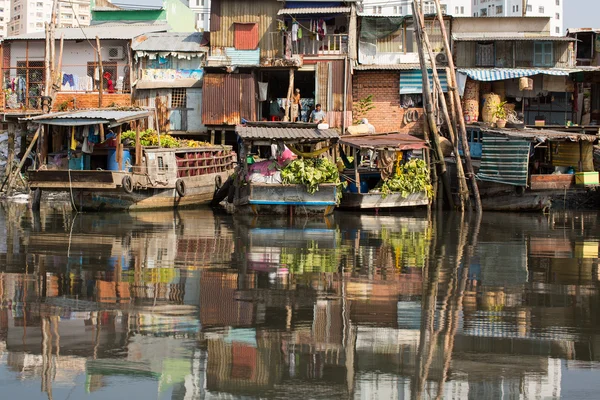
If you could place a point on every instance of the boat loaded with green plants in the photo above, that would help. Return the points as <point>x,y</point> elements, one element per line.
<point>105,162</point>
<point>296,177</point>
<point>384,171</point>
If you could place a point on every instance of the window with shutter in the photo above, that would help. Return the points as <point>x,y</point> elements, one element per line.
<point>245,36</point>
<point>543,54</point>
<point>485,55</point>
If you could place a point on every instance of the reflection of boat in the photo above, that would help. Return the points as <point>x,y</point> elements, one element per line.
<point>361,193</point>
<point>100,178</point>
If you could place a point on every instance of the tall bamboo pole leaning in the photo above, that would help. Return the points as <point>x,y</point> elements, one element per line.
<point>464,189</point>
<point>459,110</point>
<point>428,103</point>
<point>100,72</point>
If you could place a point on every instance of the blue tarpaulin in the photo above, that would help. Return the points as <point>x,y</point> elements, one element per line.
<point>411,82</point>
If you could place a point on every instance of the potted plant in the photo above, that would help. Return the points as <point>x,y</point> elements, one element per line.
<point>500,115</point>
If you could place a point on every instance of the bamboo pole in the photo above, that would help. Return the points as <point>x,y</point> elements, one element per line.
<point>459,110</point>
<point>462,182</point>
<point>290,93</point>
<point>23,159</point>
<point>100,72</point>
<point>428,103</point>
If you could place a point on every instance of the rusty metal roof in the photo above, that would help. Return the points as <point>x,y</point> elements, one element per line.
<point>509,36</point>
<point>171,41</point>
<point>116,31</point>
<point>385,141</point>
<point>285,132</point>
<point>314,10</point>
<point>89,117</point>
<point>541,135</point>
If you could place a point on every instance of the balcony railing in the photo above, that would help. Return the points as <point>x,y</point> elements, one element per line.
<point>311,45</point>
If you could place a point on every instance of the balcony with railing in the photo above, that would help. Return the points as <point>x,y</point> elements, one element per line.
<point>310,45</point>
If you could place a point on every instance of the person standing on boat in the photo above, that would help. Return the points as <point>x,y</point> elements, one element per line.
<point>295,110</point>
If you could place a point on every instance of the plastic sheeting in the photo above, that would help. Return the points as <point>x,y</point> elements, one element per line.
<point>379,27</point>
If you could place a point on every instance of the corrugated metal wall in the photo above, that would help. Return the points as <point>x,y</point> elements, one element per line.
<point>504,54</point>
<point>330,91</point>
<point>465,54</point>
<point>228,98</point>
<point>149,98</point>
<point>264,13</point>
<point>562,54</point>
<point>524,54</point>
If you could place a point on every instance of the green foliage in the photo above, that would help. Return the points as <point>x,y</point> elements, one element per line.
<point>362,107</point>
<point>311,172</point>
<point>150,138</point>
<point>411,247</point>
<point>412,177</point>
<point>500,112</point>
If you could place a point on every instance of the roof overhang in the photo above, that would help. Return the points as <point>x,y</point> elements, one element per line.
<point>386,141</point>
<point>286,132</point>
<point>89,117</point>
<point>314,10</point>
<point>177,83</point>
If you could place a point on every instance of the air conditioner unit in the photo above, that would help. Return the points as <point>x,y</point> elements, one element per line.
<point>441,58</point>
<point>116,53</point>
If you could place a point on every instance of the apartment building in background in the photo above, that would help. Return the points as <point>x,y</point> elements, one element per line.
<point>202,10</point>
<point>457,8</point>
<point>4,17</point>
<point>514,8</point>
<point>28,16</point>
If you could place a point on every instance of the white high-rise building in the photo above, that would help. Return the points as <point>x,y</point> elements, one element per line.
<point>29,16</point>
<point>457,8</point>
<point>202,10</point>
<point>4,17</point>
<point>514,8</point>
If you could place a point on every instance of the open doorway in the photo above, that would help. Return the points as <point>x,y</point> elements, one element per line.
<point>277,91</point>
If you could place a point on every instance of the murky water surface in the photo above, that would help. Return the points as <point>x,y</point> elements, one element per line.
<point>194,305</point>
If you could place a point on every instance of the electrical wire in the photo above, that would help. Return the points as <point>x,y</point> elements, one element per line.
<point>81,27</point>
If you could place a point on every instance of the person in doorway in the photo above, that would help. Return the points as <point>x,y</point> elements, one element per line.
<point>295,111</point>
<point>110,87</point>
<point>317,116</point>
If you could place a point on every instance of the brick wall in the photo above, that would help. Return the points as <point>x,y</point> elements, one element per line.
<point>90,100</point>
<point>387,116</point>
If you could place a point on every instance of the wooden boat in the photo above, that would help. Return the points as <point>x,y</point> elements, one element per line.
<point>104,179</point>
<point>518,168</point>
<point>362,195</point>
<point>275,197</point>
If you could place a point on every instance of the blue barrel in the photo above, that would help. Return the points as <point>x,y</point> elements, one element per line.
<point>112,160</point>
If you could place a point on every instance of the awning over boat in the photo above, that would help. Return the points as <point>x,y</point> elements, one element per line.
<point>500,74</point>
<point>388,141</point>
<point>285,131</point>
<point>504,160</point>
<point>411,82</point>
<point>89,117</point>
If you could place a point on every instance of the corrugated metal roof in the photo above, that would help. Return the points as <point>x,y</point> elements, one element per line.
<point>500,74</point>
<point>511,36</point>
<point>541,135</point>
<point>89,117</point>
<point>314,10</point>
<point>103,31</point>
<point>396,141</point>
<point>285,132</point>
<point>170,41</point>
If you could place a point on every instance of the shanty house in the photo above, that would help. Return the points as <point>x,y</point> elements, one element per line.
<point>389,71</point>
<point>170,70</point>
<point>24,78</point>
<point>587,53</point>
<point>261,52</point>
<point>492,54</point>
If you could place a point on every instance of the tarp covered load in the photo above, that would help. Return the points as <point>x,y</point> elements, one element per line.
<point>567,154</point>
<point>379,27</point>
<point>504,160</point>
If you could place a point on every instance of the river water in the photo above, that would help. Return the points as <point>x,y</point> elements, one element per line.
<point>197,305</point>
